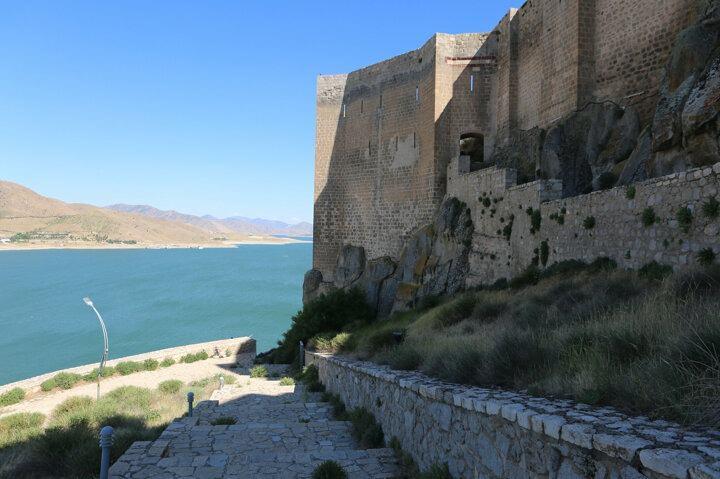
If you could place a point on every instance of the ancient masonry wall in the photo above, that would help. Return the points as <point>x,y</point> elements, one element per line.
<point>503,243</point>
<point>498,434</point>
<point>380,166</point>
<point>555,56</point>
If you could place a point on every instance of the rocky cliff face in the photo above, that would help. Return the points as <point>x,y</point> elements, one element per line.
<point>685,129</point>
<point>433,261</point>
<point>603,144</point>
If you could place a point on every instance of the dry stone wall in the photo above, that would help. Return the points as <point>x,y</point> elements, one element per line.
<point>512,221</point>
<point>488,433</point>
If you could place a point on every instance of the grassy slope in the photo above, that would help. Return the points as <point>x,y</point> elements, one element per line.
<point>65,444</point>
<point>598,336</point>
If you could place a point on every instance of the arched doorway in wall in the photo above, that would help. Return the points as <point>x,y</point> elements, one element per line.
<point>473,145</point>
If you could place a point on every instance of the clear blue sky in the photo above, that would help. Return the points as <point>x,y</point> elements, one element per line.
<point>206,107</point>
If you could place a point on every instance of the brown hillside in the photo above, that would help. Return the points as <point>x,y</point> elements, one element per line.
<point>44,219</point>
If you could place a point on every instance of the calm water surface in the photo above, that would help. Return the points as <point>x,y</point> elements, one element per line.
<point>150,299</point>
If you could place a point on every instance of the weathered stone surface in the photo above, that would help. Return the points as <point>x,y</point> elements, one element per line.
<point>372,280</point>
<point>350,265</point>
<point>670,462</point>
<point>624,447</point>
<point>498,434</point>
<point>635,168</point>
<point>314,286</point>
<point>522,153</point>
<point>588,143</point>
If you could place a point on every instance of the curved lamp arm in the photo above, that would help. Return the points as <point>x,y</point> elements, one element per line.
<point>106,348</point>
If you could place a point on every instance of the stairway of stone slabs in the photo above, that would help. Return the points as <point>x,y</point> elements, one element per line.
<point>279,432</point>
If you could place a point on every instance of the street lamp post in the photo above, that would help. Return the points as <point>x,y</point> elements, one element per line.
<point>89,302</point>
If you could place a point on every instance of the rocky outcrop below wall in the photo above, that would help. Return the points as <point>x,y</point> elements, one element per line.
<point>603,143</point>
<point>433,261</point>
<point>487,433</point>
<point>685,129</point>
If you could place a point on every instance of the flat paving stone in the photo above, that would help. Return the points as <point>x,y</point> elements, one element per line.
<point>279,432</point>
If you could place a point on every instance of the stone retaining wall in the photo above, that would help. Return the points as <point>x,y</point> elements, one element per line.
<point>505,241</point>
<point>242,352</point>
<point>487,433</point>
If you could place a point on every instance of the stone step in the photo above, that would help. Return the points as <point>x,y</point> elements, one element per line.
<point>296,412</point>
<point>255,437</point>
<point>359,464</point>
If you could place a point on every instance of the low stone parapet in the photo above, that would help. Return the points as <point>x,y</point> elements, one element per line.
<point>491,433</point>
<point>240,351</point>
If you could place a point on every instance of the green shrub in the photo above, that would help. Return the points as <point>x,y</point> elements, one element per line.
<point>18,428</point>
<point>13,396</point>
<point>327,314</point>
<point>589,222</point>
<point>684,218</point>
<point>530,276</point>
<point>329,470</point>
<point>453,311</point>
<point>535,219</point>
<point>436,471</point>
<point>258,372</point>
<point>655,271</point>
<point>648,217</point>
<point>92,376</point>
<point>310,376</point>
<point>128,367</point>
<point>711,208</point>
<point>150,365</point>
<point>167,362</point>
<point>706,256</point>
<point>224,421</point>
<point>544,252</point>
<point>191,358</point>
<point>171,386</point>
<point>630,192</point>
<point>61,380</point>
<point>607,180</point>
<point>287,381</point>
<point>366,430</point>
<point>48,385</point>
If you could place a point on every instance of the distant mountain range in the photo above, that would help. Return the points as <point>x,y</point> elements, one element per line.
<point>221,226</point>
<point>28,219</point>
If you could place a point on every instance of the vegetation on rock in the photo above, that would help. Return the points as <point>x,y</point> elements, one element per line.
<point>329,470</point>
<point>647,342</point>
<point>329,313</point>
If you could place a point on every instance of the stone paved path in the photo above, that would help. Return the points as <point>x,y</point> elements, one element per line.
<point>279,432</point>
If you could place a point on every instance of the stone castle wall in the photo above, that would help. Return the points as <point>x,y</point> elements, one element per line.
<point>386,133</point>
<point>380,164</point>
<point>497,434</point>
<point>496,201</point>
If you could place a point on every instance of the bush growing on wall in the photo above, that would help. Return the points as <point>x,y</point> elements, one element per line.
<point>648,217</point>
<point>711,208</point>
<point>684,217</point>
<point>589,223</point>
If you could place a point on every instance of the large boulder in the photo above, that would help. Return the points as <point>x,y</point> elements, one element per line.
<point>634,169</point>
<point>522,153</point>
<point>685,122</point>
<point>314,286</point>
<point>372,280</point>
<point>588,143</point>
<point>350,266</point>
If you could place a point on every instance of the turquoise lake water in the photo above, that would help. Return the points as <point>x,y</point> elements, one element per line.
<point>150,299</point>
